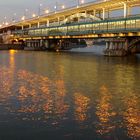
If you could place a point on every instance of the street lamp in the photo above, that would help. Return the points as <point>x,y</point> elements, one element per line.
<point>56,7</point>
<point>80,2</point>
<point>5,20</point>
<point>63,7</point>
<point>39,10</point>
<point>23,18</point>
<point>25,12</point>
<point>6,23</point>
<point>46,11</point>
<point>33,15</point>
<point>14,17</point>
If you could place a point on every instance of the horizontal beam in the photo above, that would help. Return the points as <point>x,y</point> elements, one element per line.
<point>127,26</point>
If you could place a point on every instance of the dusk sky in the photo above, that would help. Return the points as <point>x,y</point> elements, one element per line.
<point>9,7</point>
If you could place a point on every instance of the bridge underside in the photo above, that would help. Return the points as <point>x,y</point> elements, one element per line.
<point>115,45</point>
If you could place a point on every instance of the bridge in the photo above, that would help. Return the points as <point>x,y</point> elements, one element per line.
<point>58,29</point>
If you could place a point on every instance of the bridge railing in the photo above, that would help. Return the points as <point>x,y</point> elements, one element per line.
<point>99,27</point>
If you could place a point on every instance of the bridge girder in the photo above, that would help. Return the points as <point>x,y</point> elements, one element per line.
<point>79,15</point>
<point>98,6</point>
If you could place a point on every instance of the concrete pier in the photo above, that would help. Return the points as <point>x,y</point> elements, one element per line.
<point>116,47</point>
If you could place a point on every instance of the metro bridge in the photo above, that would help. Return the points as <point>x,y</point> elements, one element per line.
<point>57,30</point>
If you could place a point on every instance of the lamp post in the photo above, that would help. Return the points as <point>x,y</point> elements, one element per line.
<point>39,9</point>
<point>47,11</point>
<point>60,6</point>
<point>79,2</point>
<point>33,15</point>
<point>14,17</point>
<point>25,13</point>
<point>5,18</point>
<point>63,6</point>
<point>56,7</point>
<point>23,18</point>
<point>82,1</point>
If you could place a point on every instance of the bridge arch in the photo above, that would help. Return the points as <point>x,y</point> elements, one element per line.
<point>81,15</point>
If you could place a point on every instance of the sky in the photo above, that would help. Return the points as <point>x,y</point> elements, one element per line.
<point>15,9</point>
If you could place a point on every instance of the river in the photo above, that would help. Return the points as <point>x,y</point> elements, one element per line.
<point>69,96</point>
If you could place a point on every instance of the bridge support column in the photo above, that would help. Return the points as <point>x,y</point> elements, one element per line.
<point>38,25</point>
<point>103,13</point>
<point>125,10</point>
<point>94,12</point>
<point>58,21</point>
<point>46,44</point>
<point>107,45</point>
<point>116,47</point>
<point>22,27</point>
<point>126,45</point>
<point>48,23</point>
<point>30,25</point>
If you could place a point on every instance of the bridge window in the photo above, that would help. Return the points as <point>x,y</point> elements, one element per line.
<point>63,29</point>
<point>96,26</point>
<point>89,27</point>
<point>73,28</point>
<point>38,31</point>
<point>120,24</point>
<point>45,31</point>
<point>31,32</point>
<point>116,25</point>
<point>111,25</point>
<point>52,29</point>
<point>138,23</point>
<point>130,24</point>
<point>103,26</point>
<point>82,27</point>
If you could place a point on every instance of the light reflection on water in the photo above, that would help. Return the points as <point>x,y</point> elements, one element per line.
<point>69,96</point>
<point>105,112</point>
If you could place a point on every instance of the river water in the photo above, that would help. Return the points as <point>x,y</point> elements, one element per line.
<point>69,96</point>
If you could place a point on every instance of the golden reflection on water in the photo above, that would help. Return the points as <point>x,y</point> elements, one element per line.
<point>12,59</point>
<point>59,102</point>
<point>132,116</point>
<point>81,106</point>
<point>38,94</point>
<point>5,83</point>
<point>7,79</point>
<point>104,112</point>
<point>35,94</point>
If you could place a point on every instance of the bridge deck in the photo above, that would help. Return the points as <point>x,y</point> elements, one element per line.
<point>122,26</point>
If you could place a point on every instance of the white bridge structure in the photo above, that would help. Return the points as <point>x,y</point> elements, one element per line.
<point>89,20</point>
